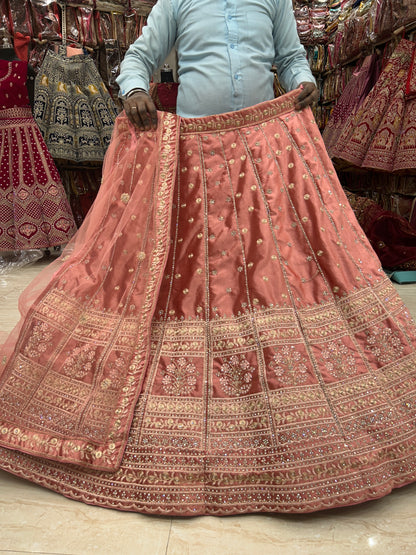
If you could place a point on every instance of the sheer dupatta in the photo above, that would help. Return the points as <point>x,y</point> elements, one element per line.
<point>73,367</point>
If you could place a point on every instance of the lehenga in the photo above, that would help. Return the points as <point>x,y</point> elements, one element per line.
<point>219,338</point>
<point>73,108</point>
<point>381,134</point>
<point>34,210</point>
<point>391,236</point>
<point>354,94</point>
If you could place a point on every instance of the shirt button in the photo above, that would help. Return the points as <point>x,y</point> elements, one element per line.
<point>230,17</point>
<point>232,45</point>
<point>236,77</point>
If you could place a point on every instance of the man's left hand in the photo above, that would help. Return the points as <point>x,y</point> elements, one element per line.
<point>309,95</point>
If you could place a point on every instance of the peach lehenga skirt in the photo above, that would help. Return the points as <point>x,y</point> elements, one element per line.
<point>219,337</point>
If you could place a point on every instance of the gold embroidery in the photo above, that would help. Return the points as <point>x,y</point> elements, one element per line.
<point>245,117</point>
<point>289,366</point>
<point>80,362</point>
<point>340,361</point>
<point>385,344</point>
<point>236,375</point>
<point>39,340</point>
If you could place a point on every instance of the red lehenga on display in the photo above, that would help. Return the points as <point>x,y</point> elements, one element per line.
<point>382,133</point>
<point>354,94</point>
<point>34,209</point>
<point>392,236</point>
<point>219,337</point>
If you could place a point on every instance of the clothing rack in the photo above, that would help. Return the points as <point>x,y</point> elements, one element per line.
<point>408,29</point>
<point>103,6</point>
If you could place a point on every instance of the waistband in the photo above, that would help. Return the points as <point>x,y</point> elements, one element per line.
<point>15,113</point>
<point>257,114</point>
<point>70,61</point>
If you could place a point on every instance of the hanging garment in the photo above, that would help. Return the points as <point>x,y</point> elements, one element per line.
<point>164,95</point>
<point>353,95</point>
<point>73,108</point>
<point>406,148</point>
<point>34,210</point>
<point>371,136</point>
<point>391,236</point>
<point>219,338</point>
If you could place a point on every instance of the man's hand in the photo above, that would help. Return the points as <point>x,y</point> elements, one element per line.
<point>141,111</point>
<point>308,96</point>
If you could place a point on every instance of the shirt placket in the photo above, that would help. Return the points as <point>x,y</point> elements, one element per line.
<point>231,20</point>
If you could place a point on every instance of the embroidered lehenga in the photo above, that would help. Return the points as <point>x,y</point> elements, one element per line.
<point>381,133</point>
<point>392,236</point>
<point>34,210</point>
<point>73,108</point>
<point>354,94</point>
<point>219,338</point>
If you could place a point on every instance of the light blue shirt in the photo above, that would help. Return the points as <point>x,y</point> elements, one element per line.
<point>226,49</point>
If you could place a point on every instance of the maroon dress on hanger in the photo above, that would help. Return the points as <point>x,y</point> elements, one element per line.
<point>381,134</point>
<point>354,94</point>
<point>34,210</point>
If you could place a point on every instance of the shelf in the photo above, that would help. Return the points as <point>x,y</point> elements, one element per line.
<point>369,49</point>
<point>103,6</point>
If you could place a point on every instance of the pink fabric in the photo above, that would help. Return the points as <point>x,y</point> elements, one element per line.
<point>219,337</point>
<point>34,209</point>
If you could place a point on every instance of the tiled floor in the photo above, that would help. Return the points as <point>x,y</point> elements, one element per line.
<point>35,520</point>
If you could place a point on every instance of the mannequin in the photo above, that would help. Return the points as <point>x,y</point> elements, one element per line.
<point>164,94</point>
<point>166,74</point>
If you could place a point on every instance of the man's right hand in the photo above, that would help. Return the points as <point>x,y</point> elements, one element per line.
<point>141,111</point>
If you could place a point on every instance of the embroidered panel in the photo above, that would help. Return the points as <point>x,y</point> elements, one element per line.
<point>90,361</point>
<point>278,370</point>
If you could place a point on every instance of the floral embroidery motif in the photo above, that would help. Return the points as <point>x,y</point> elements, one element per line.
<point>80,362</point>
<point>385,344</point>
<point>236,376</point>
<point>340,361</point>
<point>116,373</point>
<point>39,341</point>
<point>289,366</point>
<point>179,378</point>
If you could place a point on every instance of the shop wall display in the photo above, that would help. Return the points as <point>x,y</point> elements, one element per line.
<point>338,35</point>
<point>349,44</point>
<point>102,31</point>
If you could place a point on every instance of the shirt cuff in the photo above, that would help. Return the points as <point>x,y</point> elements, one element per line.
<point>135,90</point>
<point>126,95</point>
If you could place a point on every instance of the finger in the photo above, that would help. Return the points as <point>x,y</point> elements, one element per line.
<point>152,113</point>
<point>134,116</point>
<point>308,101</point>
<point>144,116</point>
<point>141,111</point>
<point>134,107</point>
<point>131,111</point>
<point>301,101</point>
<point>302,95</point>
<point>306,89</point>
<point>308,96</point>
<point>153,117</point>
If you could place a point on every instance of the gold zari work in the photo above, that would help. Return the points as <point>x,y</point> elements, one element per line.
<point>240,350</point>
